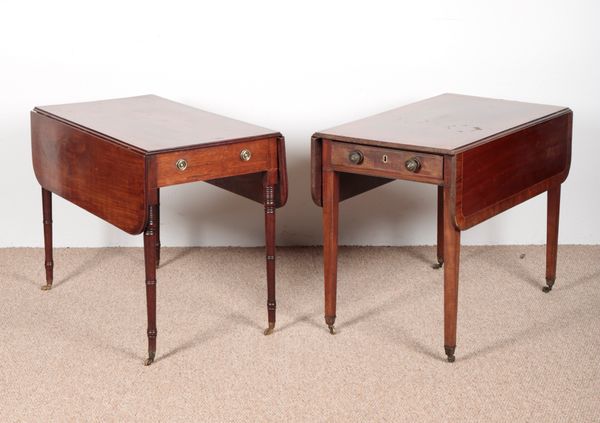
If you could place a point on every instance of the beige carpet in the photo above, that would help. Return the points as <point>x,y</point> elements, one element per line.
<point>75,353</point>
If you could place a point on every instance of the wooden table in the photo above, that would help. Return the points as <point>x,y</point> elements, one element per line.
<point>485,155</point>
<point>112,157</point>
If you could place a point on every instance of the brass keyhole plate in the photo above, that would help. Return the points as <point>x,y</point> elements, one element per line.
<point>384,159</point>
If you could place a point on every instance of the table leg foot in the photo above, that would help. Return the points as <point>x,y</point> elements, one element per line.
<point>450,354</point>
<point>549,284</point>
<point>438,265</point>
<point>270,329</point>
<point>46,287</point>
<point>330,324</point>
<point>150,359</point>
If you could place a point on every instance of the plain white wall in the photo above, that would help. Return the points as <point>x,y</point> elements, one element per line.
<point>297,67</point>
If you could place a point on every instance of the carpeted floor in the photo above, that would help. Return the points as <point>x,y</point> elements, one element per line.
<point>75,353</point>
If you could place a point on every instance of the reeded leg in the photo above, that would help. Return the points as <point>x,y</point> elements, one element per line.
<point>270,248</point>
<point>440,228</point>
<point>331,198</point>
<point>552,237</point>
<point>48,262</point>
<point>150,261</point>
<point>157,228</point>
<point>452,257</point>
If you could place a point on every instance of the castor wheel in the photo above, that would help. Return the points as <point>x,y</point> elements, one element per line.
<point>450,354</point>
<point>270,329</point>
<point>150,359</point>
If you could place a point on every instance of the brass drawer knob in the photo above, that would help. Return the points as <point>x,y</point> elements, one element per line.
<point>356,157</point>
<point>413,165</point>
<point>245,155</point>
<point>181,164</point>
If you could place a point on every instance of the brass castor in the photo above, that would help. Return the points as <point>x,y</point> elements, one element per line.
<point>438,265</point>
<point>450,354</point>
<point>270,329</point>
<point>549,283</point>
<point>330,320</point>
<point>46,287</point>
<point>150,359</point>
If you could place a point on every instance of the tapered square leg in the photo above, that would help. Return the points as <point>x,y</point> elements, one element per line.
<point>331,198</point>
<point>440,228</point>
<point>451,262</point>
<point>269,201</point>
<point>552,236</point>
<point>150,264</point>
<point>47,219</point>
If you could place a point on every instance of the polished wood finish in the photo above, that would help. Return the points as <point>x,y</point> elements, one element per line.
<point>112,157</point>
<point>440,227</point>
<point>47,214</point>
<point>218,161</point>
<point>249,185</point>
<point>451,262</point>
<point>157,228</point>
<point>331,199</point>
<point>386,162</point>
<point>552,236</point>
<point>270,180</point>
<point>507,171</point>
<point>350,184</point>
<point>145,123</point>
<point>446,124</point>
<point>485,155</point>
<point>88,171</point>
<point>150,264</point>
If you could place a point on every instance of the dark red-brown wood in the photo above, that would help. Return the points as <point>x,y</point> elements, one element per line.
<point>150,240</point>
<point>49,261</point>
<point>451,262</point>
<point>495,154</point>
<point>331,198</point>
<point>112,157</point>
<point>440,227</point>
<point>90,172</point>
<point>270,180</point>
<point>552,236</point>
<point>507,171</point>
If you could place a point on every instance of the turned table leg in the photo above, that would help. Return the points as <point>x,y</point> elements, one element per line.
<point>331,198</point>
<point>451,262</point>
<point>150,262</point>
<point>269,201</point>
<point>552,236</point>
<point>157,228</point>
<point>440,228</point>
<point>47,218</point>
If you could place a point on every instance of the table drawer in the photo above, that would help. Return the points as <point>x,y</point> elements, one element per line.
<point>215,162</point>
<point>387,162</point>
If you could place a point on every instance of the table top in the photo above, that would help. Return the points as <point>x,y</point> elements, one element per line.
<point>447,124</point>
<point>151,124</point>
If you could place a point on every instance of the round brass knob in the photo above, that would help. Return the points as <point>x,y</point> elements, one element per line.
<point>245,155</point>
<point>356,157</point>
<point>412,165</point>
<point>181,164</point>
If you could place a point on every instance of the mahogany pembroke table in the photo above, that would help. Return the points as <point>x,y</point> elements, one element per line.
<point>485,156</point>
<point>112,157</point>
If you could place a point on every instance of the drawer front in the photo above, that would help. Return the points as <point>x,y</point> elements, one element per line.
<point>218,161</point>
<point>387,162</point>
